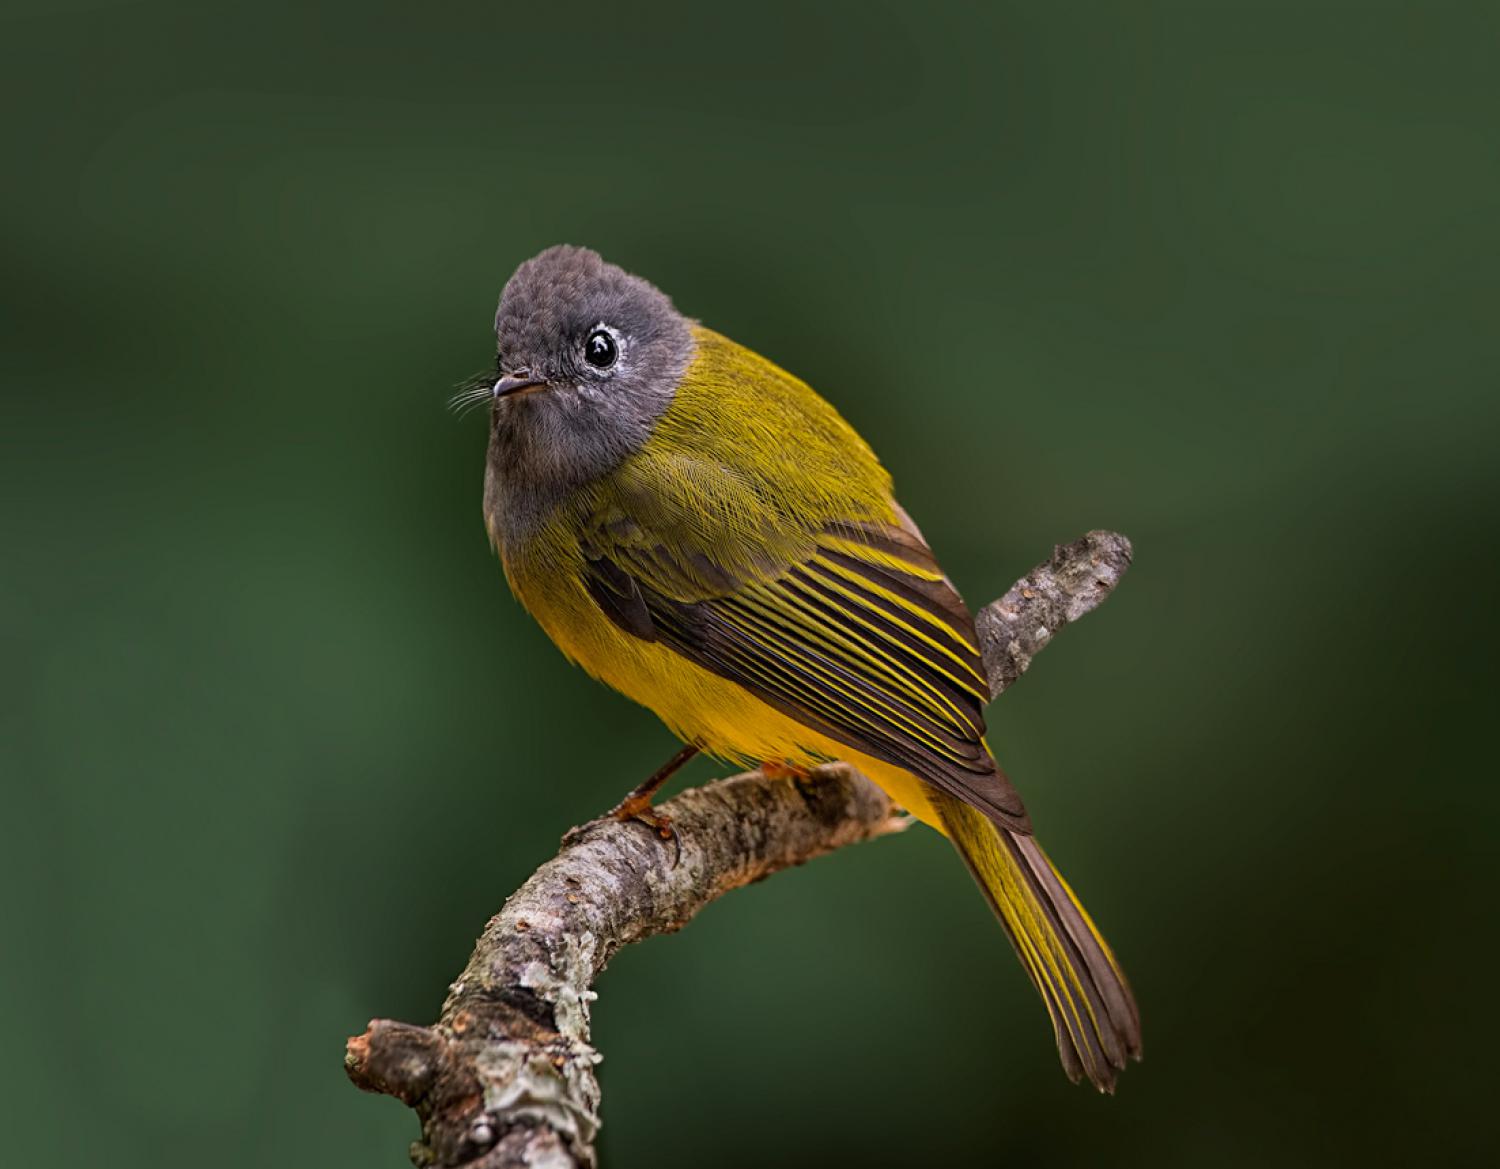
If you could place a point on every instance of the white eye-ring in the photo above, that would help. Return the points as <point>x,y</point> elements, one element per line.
<point>603,347</point>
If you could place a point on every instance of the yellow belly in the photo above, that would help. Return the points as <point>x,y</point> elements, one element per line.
<point>721,717</point>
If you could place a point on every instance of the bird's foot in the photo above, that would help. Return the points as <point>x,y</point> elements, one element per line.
<point>780,769</point>
<point>639,808</point>
<point>637,805</point>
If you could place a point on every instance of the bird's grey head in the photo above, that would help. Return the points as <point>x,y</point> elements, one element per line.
<point>588,358</point>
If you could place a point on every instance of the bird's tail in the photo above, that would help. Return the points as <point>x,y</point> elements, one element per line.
<point>1093,1012</point>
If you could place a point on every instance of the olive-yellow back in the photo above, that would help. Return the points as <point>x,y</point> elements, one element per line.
<point>748,575</point>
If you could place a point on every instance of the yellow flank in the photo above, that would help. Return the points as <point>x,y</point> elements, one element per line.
<point>714,472</point>
<point>747,574</point>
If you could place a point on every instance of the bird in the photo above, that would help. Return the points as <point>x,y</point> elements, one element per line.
<point>697,528</point>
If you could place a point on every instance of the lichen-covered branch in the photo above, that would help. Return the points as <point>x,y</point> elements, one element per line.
<point>506,1076</point>
<point>1073,581</point>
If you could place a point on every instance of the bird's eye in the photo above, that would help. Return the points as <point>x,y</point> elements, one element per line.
<point>600,349</point>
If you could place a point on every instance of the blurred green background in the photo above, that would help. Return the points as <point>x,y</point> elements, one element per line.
<point>276,741</point>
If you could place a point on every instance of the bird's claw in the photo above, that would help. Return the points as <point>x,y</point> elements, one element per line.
<point>641,811</point>
<point>633,809</point>
<point>778,769</point>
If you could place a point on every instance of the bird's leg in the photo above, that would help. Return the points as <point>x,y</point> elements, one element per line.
<point>637,803</point>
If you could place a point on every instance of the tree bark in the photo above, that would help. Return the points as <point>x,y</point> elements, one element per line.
<point>505,1078</point>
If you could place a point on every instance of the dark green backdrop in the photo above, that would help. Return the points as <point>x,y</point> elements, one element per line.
<point>276,740</point>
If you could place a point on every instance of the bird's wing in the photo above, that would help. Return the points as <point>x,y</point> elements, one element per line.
<point>850,628</point>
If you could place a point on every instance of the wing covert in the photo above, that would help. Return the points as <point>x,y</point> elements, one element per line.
<point>861,638</point>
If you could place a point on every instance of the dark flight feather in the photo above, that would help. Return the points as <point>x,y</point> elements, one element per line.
<point>864,642</point>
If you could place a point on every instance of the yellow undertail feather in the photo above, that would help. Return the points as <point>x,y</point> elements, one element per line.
<point>758,587</point>
<point>1093,1012</point>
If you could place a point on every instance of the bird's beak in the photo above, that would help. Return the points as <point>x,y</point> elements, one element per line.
<point>518,385</point>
